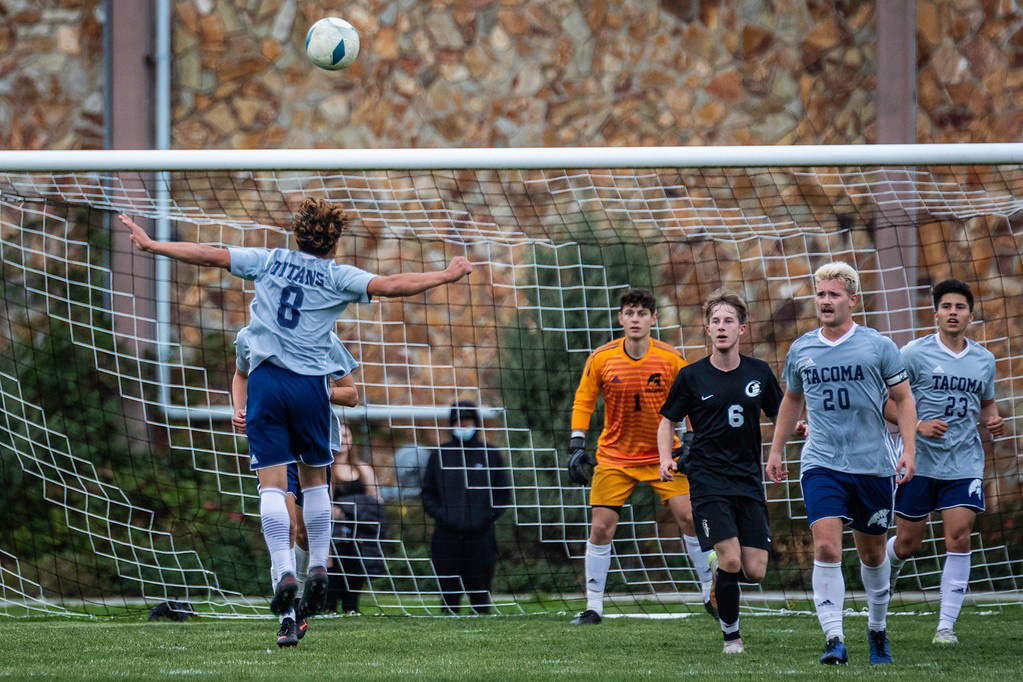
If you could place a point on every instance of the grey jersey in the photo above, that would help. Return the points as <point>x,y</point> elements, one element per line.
<point>243,361</point>
<point>297,302</point>
<point>950,386</point>
<point>845,383</point>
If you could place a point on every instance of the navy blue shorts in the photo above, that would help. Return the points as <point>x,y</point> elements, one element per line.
<point>295,488</point>
<point>287,418</point>
<point>862,501</point>
<point>922,495</point>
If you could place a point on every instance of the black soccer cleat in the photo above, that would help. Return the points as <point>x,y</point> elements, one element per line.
<point>587,617</point>
<point>284,595</point>
<point>315,593</point>
<point>709,607</point>
<point>288,635</point>
<point>300,620</point>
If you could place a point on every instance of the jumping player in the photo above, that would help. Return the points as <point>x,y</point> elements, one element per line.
<point>299,295</point>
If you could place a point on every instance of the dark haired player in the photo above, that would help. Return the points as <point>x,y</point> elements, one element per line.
<point>723,396</point>
<point>634,374</point>
<point>953,383</point>
<point>299,294</point>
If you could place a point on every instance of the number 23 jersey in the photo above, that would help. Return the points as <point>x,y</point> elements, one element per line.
<point>634,391</point>
<point>298,298</point>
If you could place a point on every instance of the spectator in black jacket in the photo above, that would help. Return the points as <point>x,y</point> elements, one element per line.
<point>465,489</point>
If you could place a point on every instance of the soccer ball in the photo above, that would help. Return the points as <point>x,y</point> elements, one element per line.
<point>332,44</point>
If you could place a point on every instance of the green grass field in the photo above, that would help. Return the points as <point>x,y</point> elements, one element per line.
<point>500,648</point>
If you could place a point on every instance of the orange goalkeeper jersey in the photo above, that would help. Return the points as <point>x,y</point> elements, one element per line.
<point>634,391</point>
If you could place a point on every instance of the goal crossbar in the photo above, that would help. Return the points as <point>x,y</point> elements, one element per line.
<point>510,158</point>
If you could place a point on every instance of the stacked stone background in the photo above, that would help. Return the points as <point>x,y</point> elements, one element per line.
<point>497,73</point>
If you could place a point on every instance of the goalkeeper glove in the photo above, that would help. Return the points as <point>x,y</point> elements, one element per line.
<point>681,453</point>
<point>580,462</point>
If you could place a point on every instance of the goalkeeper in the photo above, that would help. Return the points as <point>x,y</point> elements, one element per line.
<point>634,374</point>
<point>298,297</point>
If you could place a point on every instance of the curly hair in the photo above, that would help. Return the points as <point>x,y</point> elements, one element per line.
<point>319,225</point>
<point>640,297</point>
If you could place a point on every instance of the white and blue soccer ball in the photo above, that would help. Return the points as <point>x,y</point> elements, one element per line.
<point>332,44</point>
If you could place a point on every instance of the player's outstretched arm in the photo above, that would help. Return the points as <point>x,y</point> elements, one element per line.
<point>412,283</point>
<point>344,392</point>
<point>665,439</point>
<point>788,414</point>
<point>239,388</point>
<point>186,252</point>
<point>990,418</point>
<point>905,408</point>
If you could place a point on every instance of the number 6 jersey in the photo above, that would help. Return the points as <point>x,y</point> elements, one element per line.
<point>724,408</point>
<point>950,386</point>
<point>846,386</point>
<point>298,298</point>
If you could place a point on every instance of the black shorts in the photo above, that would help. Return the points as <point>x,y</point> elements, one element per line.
<point>719,518</point>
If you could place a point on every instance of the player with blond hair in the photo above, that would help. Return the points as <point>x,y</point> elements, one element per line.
<point>844,373</point>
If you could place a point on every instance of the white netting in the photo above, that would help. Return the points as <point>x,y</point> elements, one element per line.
<point>174,515</point>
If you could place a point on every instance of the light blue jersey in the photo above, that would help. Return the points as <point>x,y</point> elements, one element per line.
<point>950,386</point>
<point>298,298</point>
<point>845,383</point>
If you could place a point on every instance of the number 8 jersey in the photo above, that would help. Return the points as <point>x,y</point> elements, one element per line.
<point>950,386</point>
<point>298,298</point>
<point>846,383</point>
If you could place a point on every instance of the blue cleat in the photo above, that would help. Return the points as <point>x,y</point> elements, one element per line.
<point>880,654</point>
<point>835,653</point>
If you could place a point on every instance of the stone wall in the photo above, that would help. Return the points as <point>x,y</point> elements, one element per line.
<point>51,74</point>
<point>491,73</point>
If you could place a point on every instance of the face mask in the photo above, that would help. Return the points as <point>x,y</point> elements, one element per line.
<point>464,434</point>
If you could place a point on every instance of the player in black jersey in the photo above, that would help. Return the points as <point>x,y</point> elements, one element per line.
<point>723,396</point>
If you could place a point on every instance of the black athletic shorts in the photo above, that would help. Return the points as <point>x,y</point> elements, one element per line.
<point>719,518</point>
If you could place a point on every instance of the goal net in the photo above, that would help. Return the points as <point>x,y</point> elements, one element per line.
<point>123,484</point>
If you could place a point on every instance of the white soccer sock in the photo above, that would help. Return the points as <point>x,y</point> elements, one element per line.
<point>598,563</point>
<point>301,566</point>
<point>273,515</point>
<point>699,559</point>
<point>955,580</point>
<point>316,515</point>
<point>875,582</point>
<point>829,597</point>
<point>893,558</point>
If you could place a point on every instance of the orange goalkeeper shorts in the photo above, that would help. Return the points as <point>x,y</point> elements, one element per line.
<point>612,485</point>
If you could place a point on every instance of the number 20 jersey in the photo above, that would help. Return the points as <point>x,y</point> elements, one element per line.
<point>950,386</point>
<point>298,298</point>
<point>846,383</point>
